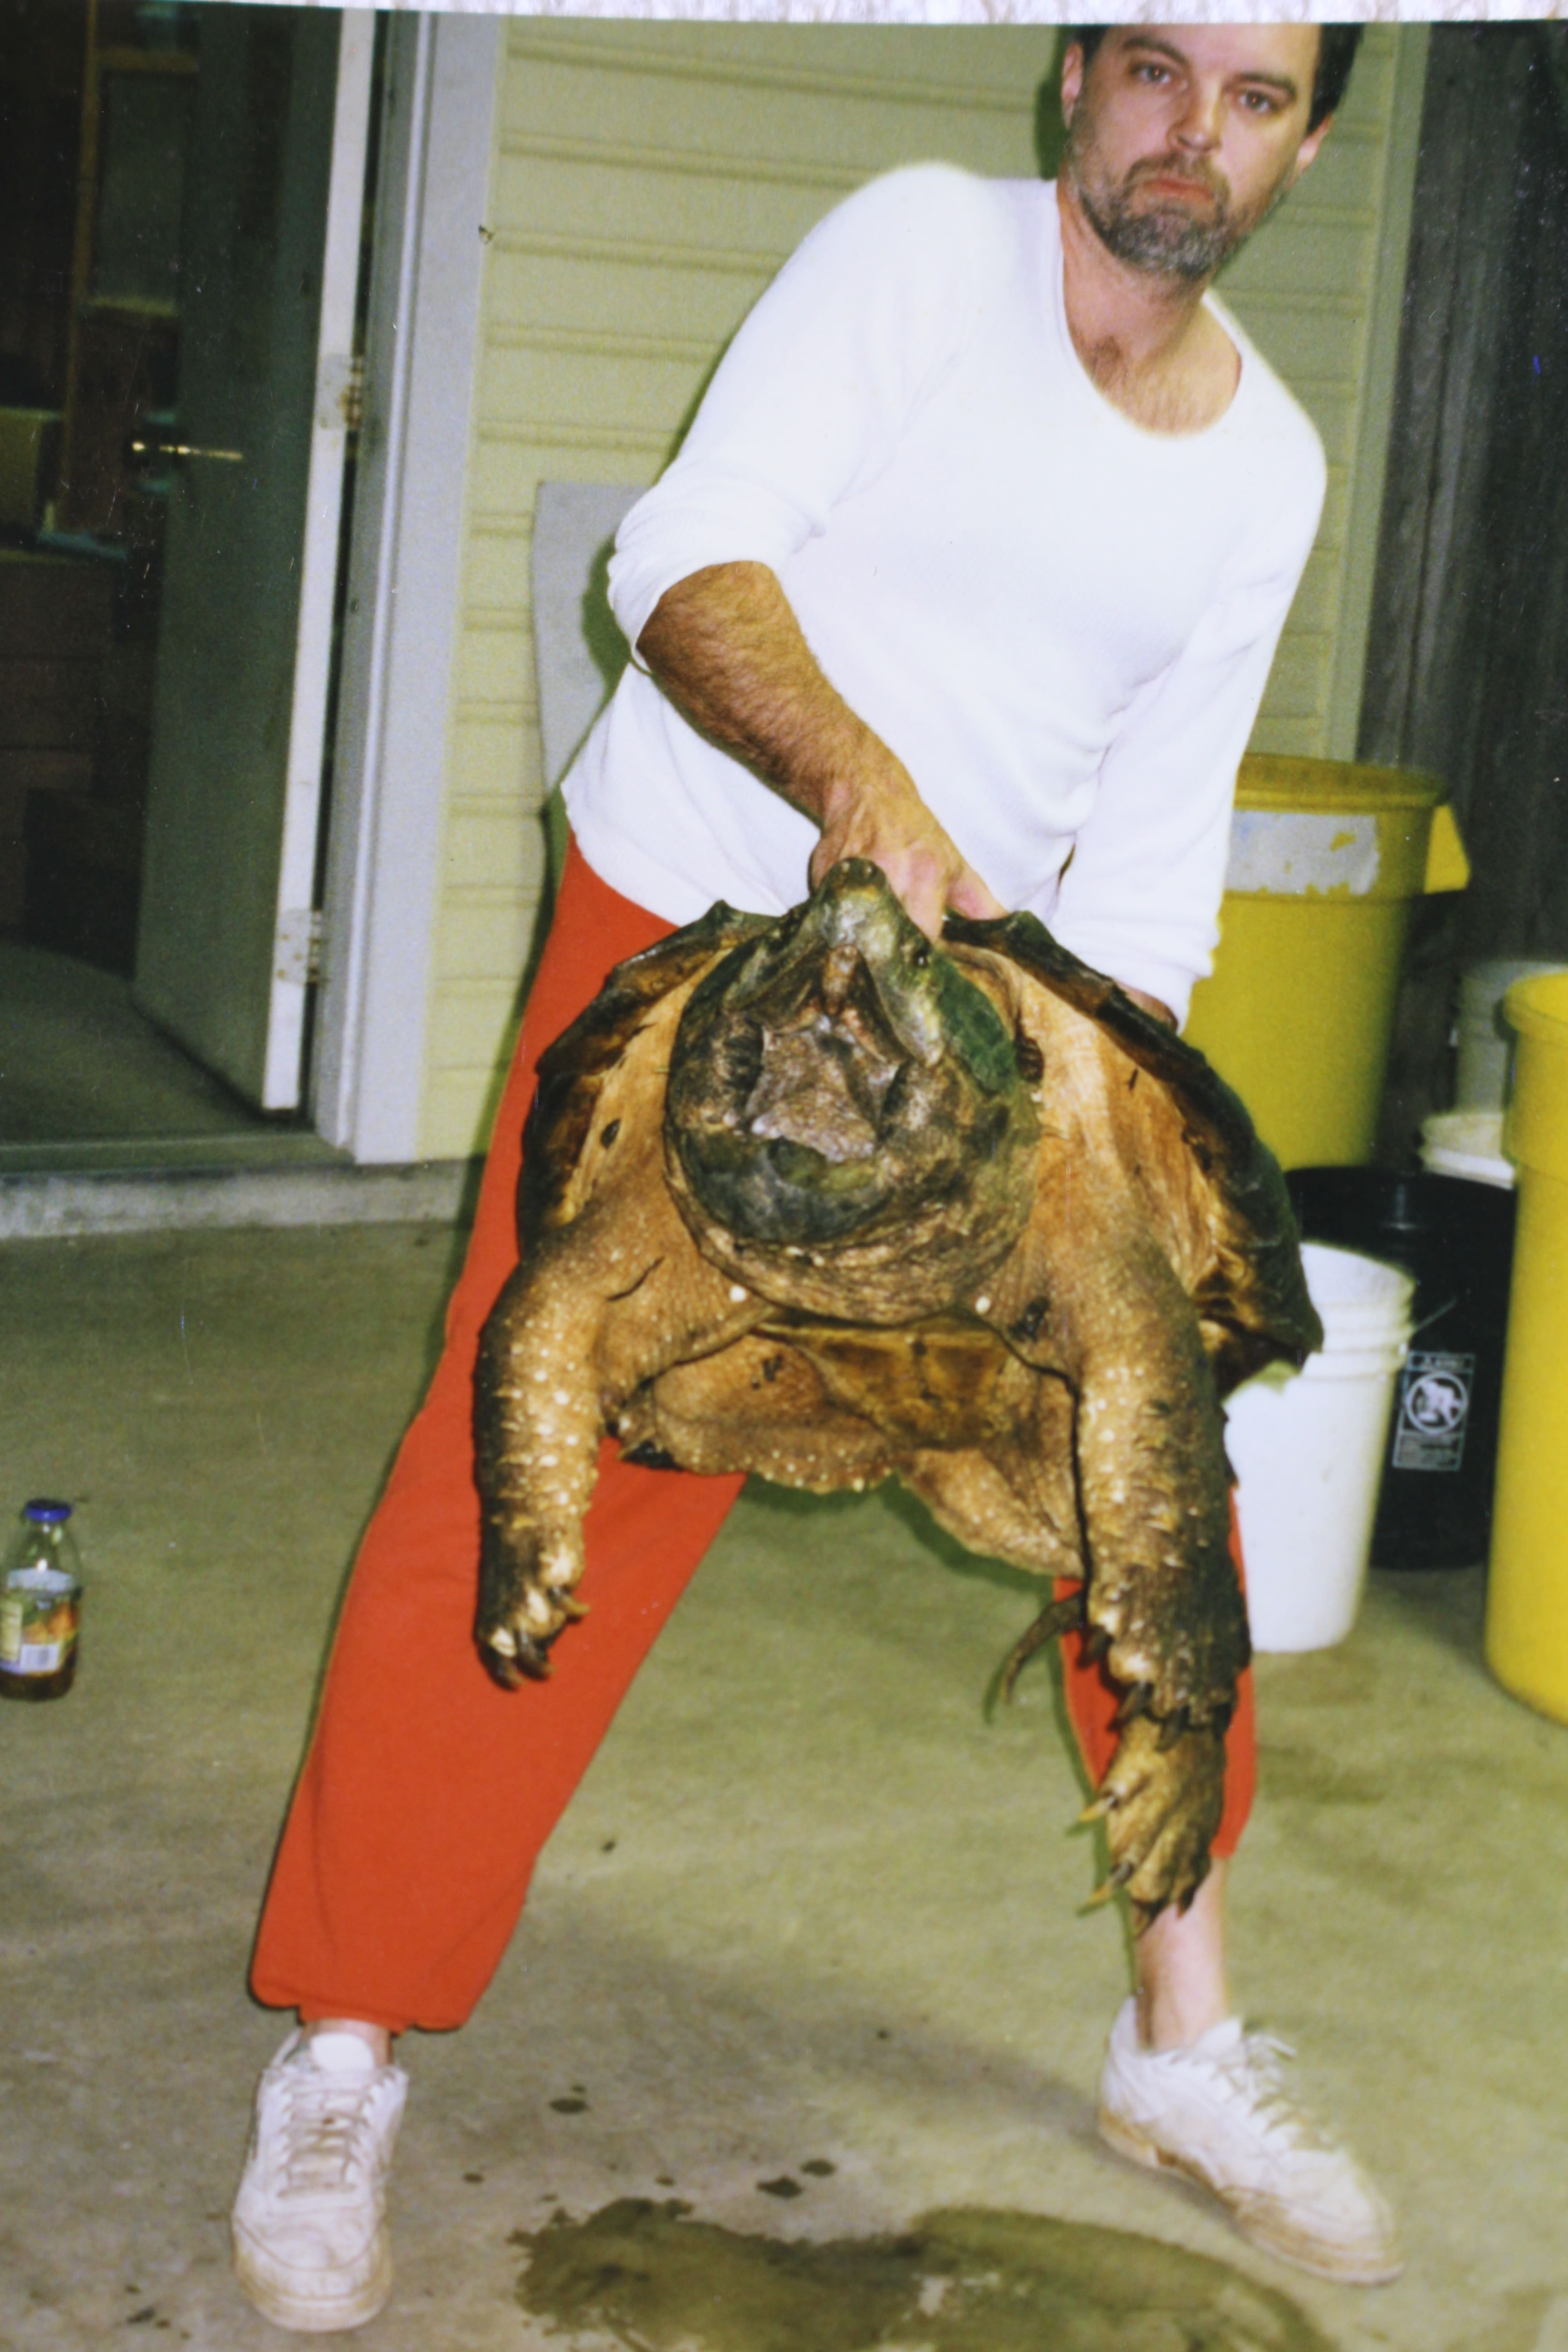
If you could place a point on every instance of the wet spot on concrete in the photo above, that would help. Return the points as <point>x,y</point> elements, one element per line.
<point>818,2166</point>
<point>570,2106</point>
<point>646,2277</point>
<point>783,2186</point>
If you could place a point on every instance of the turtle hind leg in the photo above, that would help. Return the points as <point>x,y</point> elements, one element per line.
<point>1058,1617</point>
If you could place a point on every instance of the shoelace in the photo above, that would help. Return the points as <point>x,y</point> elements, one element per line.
<point>1252,2072</point>
<point>327,2131</point>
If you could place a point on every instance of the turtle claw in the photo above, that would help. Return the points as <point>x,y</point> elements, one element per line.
<point>511,1658</point>
<point>526,1600</point>
<point>1139,1701</point>
<point>1110,1886</point>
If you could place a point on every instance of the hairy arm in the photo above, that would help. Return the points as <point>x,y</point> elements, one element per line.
<point>727,648</point>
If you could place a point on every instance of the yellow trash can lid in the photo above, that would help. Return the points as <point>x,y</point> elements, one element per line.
<point>1537,1127</point>
<point>1342,828</point>
<point>1268,780</point>
<point>1538,1008</point>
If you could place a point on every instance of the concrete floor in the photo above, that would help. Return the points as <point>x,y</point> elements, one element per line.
<point>810,1909</point>
<point>78,1063</point>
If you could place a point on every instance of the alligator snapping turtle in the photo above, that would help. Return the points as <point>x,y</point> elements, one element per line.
<point>816,1199</point>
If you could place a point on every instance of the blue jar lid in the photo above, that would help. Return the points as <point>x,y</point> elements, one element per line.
<point>45,1514</point>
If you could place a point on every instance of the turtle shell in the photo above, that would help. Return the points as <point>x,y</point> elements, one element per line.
<point>1253,1303</point>
<point>573,1070</point>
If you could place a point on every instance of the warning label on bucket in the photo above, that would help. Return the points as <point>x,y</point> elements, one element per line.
<point>1434,1410</point>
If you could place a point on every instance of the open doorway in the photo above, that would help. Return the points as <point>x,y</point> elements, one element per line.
<point>182,203</point>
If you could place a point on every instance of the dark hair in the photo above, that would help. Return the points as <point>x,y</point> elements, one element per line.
<point>1337,45</point>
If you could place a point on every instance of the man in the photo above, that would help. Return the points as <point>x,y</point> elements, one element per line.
<point>973,564</point>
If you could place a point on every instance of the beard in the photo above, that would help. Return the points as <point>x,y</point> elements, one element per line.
<point>1165,238</point>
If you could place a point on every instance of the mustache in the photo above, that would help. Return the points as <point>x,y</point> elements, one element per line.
<point>1200,177</point>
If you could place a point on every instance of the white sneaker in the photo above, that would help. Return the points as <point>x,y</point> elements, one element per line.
<point>1219,2112</point>
<point>311,2247</point>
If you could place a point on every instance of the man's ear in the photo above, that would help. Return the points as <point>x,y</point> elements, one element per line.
<point>1307,154</point>
<point>1072,79</point>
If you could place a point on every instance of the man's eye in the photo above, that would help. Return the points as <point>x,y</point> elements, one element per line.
<point>1260,101</point>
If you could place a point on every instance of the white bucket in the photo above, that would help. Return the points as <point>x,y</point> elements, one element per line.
<point>1467,1143</point>
<point>1307,1449</point>
<point>1483,1037</point>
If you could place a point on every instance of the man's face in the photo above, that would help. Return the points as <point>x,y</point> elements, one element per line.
<point>1182,137</point>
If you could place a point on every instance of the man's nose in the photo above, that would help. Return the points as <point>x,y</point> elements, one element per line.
<point>1198,127</point>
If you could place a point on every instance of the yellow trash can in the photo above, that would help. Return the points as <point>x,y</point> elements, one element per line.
<point>1527,1594</point>
<point>1326,860</point>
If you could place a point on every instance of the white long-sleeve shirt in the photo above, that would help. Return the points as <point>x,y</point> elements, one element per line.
<point>1061,624</point>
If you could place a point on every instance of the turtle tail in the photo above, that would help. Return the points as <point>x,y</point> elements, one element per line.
<point>1058,1617</point>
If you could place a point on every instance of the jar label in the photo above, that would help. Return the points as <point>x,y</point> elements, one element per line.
<point>1434,1410</point>
<point>37,1632</point>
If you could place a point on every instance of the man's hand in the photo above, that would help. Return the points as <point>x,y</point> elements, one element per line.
<point>887,822</point>
<point>727,648</point>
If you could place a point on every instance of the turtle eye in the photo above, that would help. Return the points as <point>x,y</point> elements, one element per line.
<point>1031,1061</point>
<point>921,956</point>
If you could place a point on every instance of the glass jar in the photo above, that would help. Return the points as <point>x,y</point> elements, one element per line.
<point>40,1604</point>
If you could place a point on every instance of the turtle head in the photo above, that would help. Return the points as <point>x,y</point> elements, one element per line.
<point>842,1097</point>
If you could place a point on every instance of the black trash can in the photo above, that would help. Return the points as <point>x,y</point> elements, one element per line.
<point>1435,1503</point>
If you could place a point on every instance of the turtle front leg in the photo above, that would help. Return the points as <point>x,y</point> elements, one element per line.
<point>1163,1603</point>
<point>583,1322</point>
<point>1091,1294</point>
<point>537,1430</point>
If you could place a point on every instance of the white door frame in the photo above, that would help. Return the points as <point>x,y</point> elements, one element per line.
<point>400,622</point>
<point>283,1068</point>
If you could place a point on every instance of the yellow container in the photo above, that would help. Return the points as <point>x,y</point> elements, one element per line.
<point>1526,1593</point>
<point>1326,860</point>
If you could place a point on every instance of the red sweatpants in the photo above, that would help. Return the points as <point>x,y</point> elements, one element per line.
<point>428,1793</point>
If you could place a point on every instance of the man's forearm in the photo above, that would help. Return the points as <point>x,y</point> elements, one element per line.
<point>725,645</point>
<point>727,648</point>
